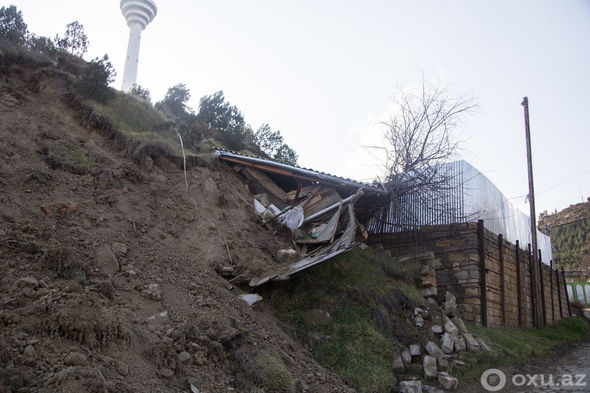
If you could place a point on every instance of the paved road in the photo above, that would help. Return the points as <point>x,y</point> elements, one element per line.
<point>568,372</point>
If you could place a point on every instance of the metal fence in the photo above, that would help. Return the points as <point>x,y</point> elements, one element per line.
<point>579,291</point>
<point>467,195</point>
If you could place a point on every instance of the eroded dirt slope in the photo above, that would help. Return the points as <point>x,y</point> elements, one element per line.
<point>108,267</point>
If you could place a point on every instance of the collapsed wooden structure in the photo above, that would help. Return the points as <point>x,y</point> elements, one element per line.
<point>324,212</point>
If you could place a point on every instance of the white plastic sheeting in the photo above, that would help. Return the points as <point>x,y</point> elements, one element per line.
<point>482,200</point>
<point>467,196</point>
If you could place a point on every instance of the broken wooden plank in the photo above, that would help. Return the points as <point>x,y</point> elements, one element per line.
<point>267,183</point>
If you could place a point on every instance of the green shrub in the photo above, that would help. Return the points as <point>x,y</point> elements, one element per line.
<point>12,26</point>
<point>95,79</point>
<point>140,92</point>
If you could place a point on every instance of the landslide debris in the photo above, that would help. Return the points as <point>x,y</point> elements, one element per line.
<point>108,263</point>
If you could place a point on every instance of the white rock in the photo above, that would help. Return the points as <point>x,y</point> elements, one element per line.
<point>472,344</point>
<point>429,365</point>
<point>419,320</point>
<point>460,345</point>
<point>460,324</point>
<point>250,298</point>
<point>447,343</point>
<point>434,350</point>
<point>450,304</point>
<point>447,382</point>
<point>415,350</point>
<point>406,356</point>
<point>450,327</point>
<point>410,387</point>
<point>436,329</point>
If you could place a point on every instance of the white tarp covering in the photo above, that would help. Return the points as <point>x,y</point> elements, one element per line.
<point>483,200</point>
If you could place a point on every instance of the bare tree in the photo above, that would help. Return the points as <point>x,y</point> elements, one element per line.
<point>420,142</point>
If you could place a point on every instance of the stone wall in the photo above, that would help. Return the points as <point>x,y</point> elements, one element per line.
<point>464,252</point>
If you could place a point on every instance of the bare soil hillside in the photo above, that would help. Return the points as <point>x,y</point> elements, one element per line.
<point>108,266</point>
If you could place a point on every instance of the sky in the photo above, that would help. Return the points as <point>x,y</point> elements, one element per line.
<point>325,73</point>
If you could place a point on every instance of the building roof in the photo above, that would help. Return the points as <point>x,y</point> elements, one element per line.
<point>295,171</point>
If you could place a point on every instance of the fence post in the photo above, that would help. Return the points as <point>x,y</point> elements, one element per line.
<point>552,297</point>
<point>518,288</point>
<point>569,306</point>
<point>533,294</point>
<point>542,282</point>
<point>559,293</point>
<point>482,273</point>
<point>502,282</point>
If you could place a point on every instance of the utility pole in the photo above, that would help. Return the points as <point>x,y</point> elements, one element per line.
<point>535,265</point>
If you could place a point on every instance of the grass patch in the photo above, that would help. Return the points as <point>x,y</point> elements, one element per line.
<point>358,350</point>
<point>274,375</point>
<point>361,339</point>
<point>70,158</point>
<point>141,124</point>
<point>131,114</point>
<point>265,368</point>
<point>512,345</point>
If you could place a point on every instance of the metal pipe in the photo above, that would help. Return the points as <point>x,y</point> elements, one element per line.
<point>332,207</point>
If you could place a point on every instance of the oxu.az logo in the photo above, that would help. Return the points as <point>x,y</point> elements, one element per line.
<point>494,380</point>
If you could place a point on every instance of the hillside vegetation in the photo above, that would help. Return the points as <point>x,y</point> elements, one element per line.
<point>569,230</point>
<point>217,122</point>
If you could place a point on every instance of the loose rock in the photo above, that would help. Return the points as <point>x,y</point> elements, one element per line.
<point>450,304</point>
<point>447,343</point>
<point>410,387</point>
<point>415,350</point>
<point>430,368</point>
<point>406,357</point>
<point>152,291</point>
<point>184,357</point>
<point>472,344</point>
<point>460,324</point>
<point>450,327</point>
<point>460,345</point>
<point>106,261</point>
<point>434,350</point>
<point>27,282</point>
<point>121,368</point>
<point>447,382</point>
<point>443,364</point>
<point>76,359</point>
<point>436,329</point>
<point>398,364</point>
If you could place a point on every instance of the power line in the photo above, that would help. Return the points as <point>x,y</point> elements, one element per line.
<point>553,186</point>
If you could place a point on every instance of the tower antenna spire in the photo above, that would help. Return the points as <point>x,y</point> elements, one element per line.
<point>138,14</point>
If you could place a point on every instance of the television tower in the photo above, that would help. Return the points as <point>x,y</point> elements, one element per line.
<point>138,13</point>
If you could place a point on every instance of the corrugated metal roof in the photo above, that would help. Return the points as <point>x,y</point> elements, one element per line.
<point>296,171</point>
